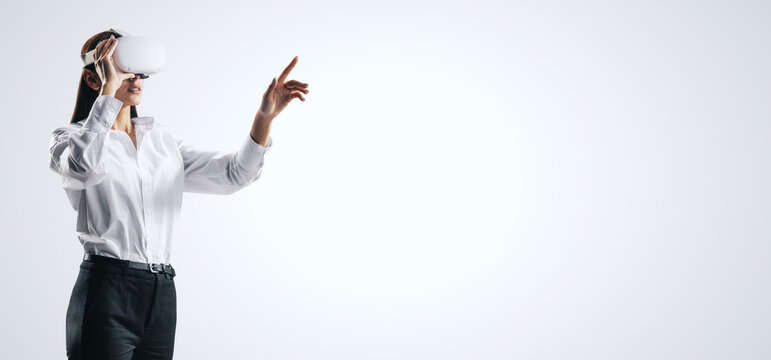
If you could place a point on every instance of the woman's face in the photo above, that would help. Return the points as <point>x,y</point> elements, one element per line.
<point>130,91</point>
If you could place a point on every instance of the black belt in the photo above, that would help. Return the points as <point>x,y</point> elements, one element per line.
<point>153,268</point>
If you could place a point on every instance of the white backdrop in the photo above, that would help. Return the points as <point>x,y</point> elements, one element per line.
<point>466,179</point>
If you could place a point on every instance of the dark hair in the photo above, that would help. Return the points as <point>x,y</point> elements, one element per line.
<point>86,95</point>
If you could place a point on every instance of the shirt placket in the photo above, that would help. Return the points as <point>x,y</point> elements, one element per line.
<point>148,238</point>
<point>149,241</point>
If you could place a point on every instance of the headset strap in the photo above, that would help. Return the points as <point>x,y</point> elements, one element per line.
<point>88,58</point>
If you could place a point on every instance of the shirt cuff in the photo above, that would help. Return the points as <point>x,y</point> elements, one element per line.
<point>103,114</point>
<point>251,155</point>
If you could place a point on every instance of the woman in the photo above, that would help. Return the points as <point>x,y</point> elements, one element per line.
<point>125,176</point>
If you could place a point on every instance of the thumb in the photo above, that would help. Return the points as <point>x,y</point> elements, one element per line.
<point>271,87</point>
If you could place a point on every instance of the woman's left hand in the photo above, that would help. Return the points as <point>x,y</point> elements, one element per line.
<point>281,92</point>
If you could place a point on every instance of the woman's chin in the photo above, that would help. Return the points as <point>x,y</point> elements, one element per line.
<point>132,100</point>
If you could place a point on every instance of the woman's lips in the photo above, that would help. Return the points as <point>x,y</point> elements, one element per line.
<point>139,91</point>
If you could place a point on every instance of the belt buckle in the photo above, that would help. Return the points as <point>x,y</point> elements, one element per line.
<point>152,268</point>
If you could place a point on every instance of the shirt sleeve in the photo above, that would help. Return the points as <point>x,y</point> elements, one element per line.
<point>222,173</point>
<point>77,151</point>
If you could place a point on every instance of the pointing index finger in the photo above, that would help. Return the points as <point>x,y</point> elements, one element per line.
<point>286,71</point>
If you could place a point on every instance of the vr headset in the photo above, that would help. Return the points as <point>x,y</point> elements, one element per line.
<point>134,54</point>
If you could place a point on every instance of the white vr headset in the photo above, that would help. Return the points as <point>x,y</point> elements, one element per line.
<point>134,54</point>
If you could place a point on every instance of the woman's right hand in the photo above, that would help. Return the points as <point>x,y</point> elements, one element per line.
<point>111,77</point>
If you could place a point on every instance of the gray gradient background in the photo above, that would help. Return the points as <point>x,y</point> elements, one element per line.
<point>466,180</point>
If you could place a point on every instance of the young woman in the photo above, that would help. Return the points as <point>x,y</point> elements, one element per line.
<point>125,175</point>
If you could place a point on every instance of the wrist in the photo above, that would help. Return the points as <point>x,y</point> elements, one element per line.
<point>261,128</point>
<point>262,117</point>
<point>108,91</point>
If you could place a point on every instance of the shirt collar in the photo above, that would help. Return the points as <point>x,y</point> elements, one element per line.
<point>144,122</point>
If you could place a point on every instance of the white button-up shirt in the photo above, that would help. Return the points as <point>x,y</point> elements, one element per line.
<point>128,199</point>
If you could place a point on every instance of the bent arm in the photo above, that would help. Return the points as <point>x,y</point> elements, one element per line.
<point>222,173</point>
<point>77,152</point>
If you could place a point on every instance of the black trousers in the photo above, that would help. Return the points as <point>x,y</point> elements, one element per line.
<point>117,312</point>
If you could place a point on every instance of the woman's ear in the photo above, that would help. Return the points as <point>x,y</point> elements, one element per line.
<point>92,79</point>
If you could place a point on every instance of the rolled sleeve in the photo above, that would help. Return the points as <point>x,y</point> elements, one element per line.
<point>251,155</point>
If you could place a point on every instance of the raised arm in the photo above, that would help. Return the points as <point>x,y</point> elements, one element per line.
<point>216,172</point>
<point>77,151</point>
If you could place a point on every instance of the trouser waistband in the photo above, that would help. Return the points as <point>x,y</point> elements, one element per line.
<point>151,267</point>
